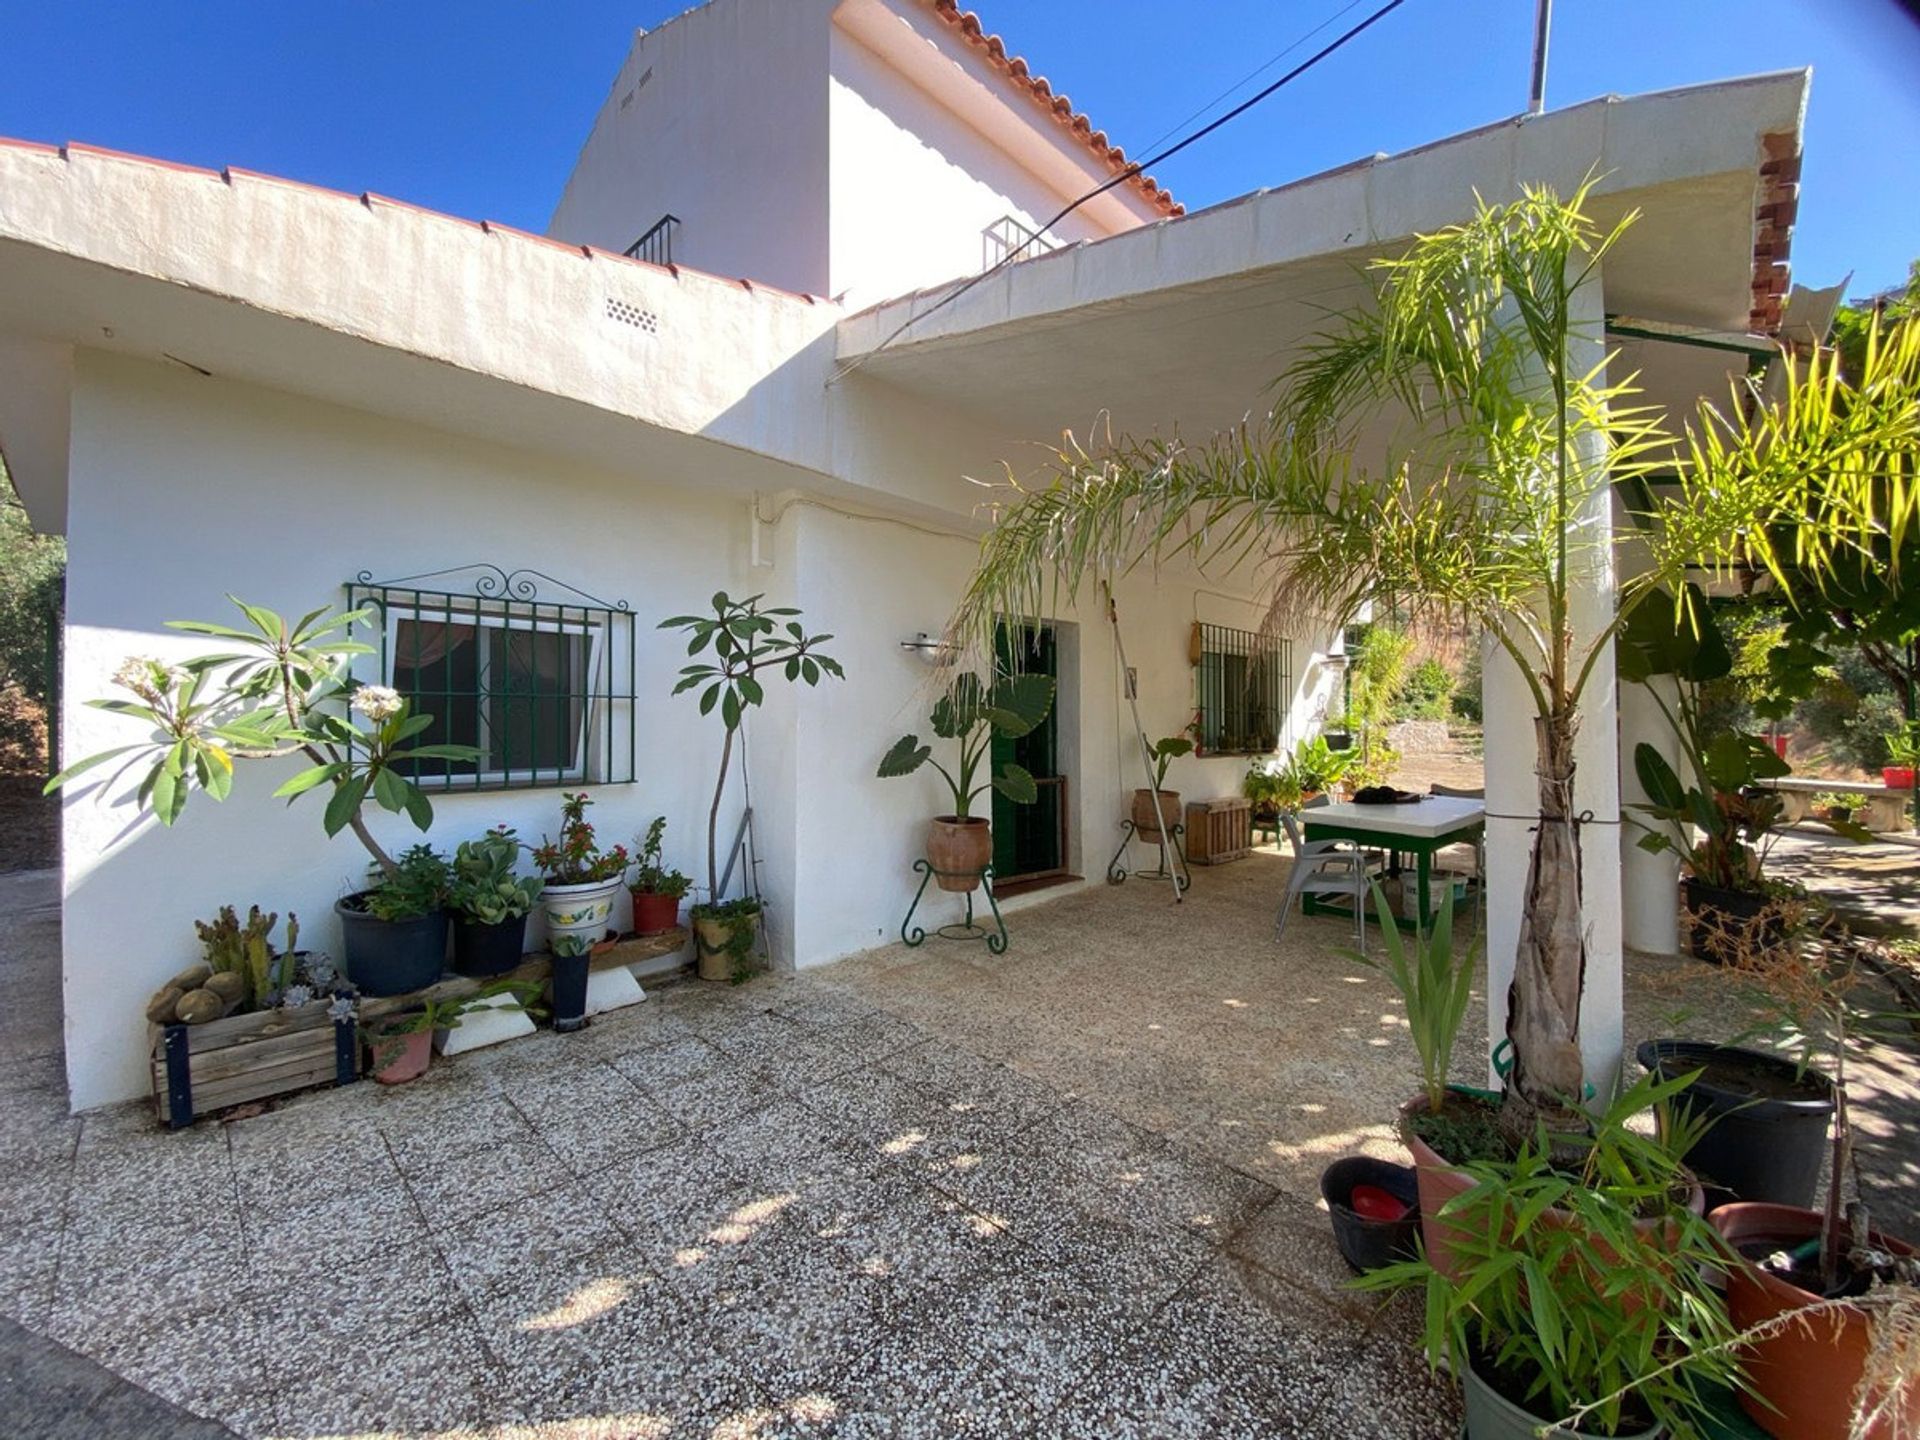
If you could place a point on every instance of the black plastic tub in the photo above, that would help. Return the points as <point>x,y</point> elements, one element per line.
<point>1770,1119</point>
<point>481,950</point>
<point>569,992</point>
<point>391,957</point>
<point>1370,1244</point>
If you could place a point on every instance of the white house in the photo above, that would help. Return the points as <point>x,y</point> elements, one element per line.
<point>220,381</point>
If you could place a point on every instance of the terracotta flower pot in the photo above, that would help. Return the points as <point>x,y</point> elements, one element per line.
<point>1439,1181</point>
<point>959,850</point>
<point>655,914</point>
<point>400,1058</point>
<point>1805,1374</point>
<point>1145,821</point>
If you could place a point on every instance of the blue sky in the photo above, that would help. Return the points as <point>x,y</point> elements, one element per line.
<point>478,106</point>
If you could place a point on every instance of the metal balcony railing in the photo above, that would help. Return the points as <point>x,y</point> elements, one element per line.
<point>656,246</point>
<point>1011,239</point>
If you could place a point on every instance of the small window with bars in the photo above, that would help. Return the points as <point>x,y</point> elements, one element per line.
<point>535,675</point>
<point>1244,681</point>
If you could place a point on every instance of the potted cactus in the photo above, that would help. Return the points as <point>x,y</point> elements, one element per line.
<point>581,878</point>
<point>656,890</point>
<point>490,904</point>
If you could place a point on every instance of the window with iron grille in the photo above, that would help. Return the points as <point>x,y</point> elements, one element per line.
<point>536,675</point>
<point>1244,681</point>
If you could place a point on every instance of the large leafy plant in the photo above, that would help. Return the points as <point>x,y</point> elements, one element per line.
<point>1720,817</point>
<point>973,714</point>
<point>747,641</point>
<point>284,689</point>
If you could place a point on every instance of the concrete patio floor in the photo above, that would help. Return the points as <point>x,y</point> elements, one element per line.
<point>1067,1191</point>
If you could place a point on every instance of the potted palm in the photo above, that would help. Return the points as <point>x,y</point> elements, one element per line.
<point>1489,508</point>
<point>972,714</point>
<point>581,878</point>
<point>1576,1299</point>
<point>1147,819</point>
<point>490,904</point>
<point>749,642</point>
<point>656,890</point>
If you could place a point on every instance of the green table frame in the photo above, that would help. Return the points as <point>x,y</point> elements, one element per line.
<point>1422,847</point>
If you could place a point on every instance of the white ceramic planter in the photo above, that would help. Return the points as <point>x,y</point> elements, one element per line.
<point>581,910</point>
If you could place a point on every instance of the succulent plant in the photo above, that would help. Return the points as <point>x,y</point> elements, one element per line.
<point>485,888</point>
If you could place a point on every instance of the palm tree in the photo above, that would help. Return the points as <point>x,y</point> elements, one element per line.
<point>1490,504</point>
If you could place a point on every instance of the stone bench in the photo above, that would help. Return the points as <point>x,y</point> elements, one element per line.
<point>1881,810</point>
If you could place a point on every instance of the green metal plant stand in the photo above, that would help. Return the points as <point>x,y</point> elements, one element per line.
<point>995,937</point>
<point>1176,840</point>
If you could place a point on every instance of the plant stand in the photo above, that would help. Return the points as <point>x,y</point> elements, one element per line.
<point>995,937</point>
<point>1117,871</point>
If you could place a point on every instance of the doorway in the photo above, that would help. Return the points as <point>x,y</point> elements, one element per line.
<point>1030,841</point>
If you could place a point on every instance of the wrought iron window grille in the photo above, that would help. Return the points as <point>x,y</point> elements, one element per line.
<point>532,671</point>
<point>1244,681</point>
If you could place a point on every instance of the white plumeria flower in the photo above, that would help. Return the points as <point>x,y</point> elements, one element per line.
<point>143,676</point>
<point>378,702</point>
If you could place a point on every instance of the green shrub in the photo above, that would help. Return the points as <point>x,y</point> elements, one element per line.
<point>1466,690</point>
<point>1426,693</point>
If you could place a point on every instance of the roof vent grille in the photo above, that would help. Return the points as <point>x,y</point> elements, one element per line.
<point>629,314</point>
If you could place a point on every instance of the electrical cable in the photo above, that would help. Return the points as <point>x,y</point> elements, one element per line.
<point>1129,172</point>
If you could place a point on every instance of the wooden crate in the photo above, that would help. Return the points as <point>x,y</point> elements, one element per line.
<point>1219,830</point>
<point>202,1068</point>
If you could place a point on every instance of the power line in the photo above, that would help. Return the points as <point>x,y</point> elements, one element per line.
<point>1248,79</point>
<point>1128,173</point>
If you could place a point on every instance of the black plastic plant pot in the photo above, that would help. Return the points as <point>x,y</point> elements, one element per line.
<point>569,992</point>
<point>391,957</point>
<point>480,949</point>
<point>1710,911</point>
<point>1770,1119</point>
<point>1369,1244</point>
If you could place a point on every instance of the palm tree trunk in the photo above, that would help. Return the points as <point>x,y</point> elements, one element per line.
<point>1543,1002</point>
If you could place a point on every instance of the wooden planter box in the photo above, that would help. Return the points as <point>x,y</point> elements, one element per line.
<point>1219,830</point>
<point>201,1068</point>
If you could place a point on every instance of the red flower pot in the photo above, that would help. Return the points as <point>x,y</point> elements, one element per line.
<point>1897,777</point>
<point>655,914</point>
<point>1779,743</point>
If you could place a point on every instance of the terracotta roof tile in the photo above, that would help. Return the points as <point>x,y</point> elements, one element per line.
<point>1017,71</point>
<point>1774,213</point>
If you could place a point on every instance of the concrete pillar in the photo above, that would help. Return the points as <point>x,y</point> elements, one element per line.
<point>1512,792</point>
<point>1648,883</point>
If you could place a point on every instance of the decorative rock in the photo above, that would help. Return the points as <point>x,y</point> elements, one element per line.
<point>197,1007</point>
<point>230,986</point>
<point>191,978</point>
<point>162,1008</point>
<point>1418,737</point>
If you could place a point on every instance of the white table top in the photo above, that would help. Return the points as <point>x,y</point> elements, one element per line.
<point>1426,819</point>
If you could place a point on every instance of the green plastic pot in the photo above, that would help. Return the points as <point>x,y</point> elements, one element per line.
<point>1491,1416</point>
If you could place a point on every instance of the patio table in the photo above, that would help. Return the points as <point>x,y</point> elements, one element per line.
<point>1419,829</point>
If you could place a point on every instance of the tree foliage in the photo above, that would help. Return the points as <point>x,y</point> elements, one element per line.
<point>32,572</point>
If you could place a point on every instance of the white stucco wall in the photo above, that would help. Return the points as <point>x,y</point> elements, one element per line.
<point>184,489</point>
<point>728,132</point>
<point>912,185</point>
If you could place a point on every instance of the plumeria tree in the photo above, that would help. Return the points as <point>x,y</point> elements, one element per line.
<point>1488,505</point>
<point>282,689</point>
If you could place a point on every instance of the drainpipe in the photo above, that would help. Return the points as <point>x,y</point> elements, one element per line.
<point>1542,24</point>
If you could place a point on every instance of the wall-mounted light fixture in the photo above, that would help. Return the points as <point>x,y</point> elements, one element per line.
<point>930,648</point>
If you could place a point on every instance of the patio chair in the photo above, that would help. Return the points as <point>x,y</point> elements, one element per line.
<point>1326,867</point>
